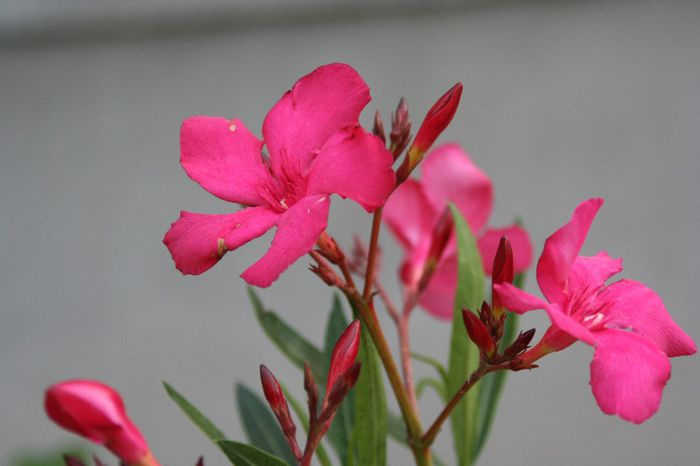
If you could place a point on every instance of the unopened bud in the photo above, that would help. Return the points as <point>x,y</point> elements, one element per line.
<point>436,120</point>
<point>344,354</point>
<point>200,461</point>
<point>329,248</point>
<point>479,333</point>
<point>96,411</point>
<point>378,129</point>
<point>400,129</point>
<point>278,403</point>
<point>503,272</point>
<point>328,276</point>
<point>311,392</point>
<point>519,345</point>
<point>343,385</point>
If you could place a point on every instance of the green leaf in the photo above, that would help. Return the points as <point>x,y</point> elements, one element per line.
<point>260,424</point>
<point>297,348</point>
<point>368,442</point>
<point>442,372</point>
<point>304,419</point>
<point>464,356</point>
<point>436,384</point>
<point>241,454</point>
<point>199,419</point>
<point>340,433</point>
<point>492,384</point>
<point>397,428</point>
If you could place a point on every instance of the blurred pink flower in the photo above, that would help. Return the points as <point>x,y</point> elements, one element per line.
<point>316,148</point>
<point>95,411</point>
<point>414,209</point>
<point>626,322</point>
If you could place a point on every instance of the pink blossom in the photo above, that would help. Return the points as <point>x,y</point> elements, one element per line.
<point>414,209</point>
<point>626,322</point>
<point>95,411</point>
<point>315,148</point>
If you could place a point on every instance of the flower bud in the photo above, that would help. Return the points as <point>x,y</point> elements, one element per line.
<point>520,344</point>
<point>502,273</point>
<point>311,392</point>
<point>344,354</point>
<point>378,129</point>
<point>479,333</point>
<point>400,129</point>
<point>436,120</point>
<point>329,249</point>
<point>278,403</point>
<point>95,411</point>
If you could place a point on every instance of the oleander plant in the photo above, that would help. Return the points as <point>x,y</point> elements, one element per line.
<point>455,266</point>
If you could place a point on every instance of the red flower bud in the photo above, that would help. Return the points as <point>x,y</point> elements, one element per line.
<point>278,403</point>
<point>502,272</point>
<point>436,120</point>
<point>478,333</point>
<point>378,128</point>
<point>344,354</point>
<point>329,248</point>
<point>400,129</point>
<point>272,389</point>
<point>95,411</point>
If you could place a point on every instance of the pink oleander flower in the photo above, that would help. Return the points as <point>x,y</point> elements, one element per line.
<point>415,208</point>
<point>95,411</point>
<point>626,322</point>
<point>315,148</point>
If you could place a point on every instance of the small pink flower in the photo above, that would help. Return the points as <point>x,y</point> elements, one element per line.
<point>315,148</point>
<point>626,322</point>
<point>95,411</point>
<point>415,208</point>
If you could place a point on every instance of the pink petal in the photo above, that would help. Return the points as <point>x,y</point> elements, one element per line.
<point>354,164</point>
<point>438,297</point>
<point>450,176</point>
<point>518,301</point>
<point>223,157</point>
<point>409,214</point>
<point>628,375</point>
<point>593,271</point>
<point>562,248</point>
<point>195,240</point>
<point>298,230</point>
<point>519,240</point>
<point>328,99</point>
<point>633,306</point>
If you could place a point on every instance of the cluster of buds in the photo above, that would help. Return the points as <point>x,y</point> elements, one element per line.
<point>436,120</point>
<point>486,328</point>
<point>96,412</point>
<point>342,376</point>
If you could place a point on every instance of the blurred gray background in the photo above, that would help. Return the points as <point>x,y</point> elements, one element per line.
<point>562,101</point>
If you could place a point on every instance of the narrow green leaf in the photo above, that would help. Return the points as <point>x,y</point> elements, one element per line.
<point>397,428</point>
<point>432,382</point>
<point>368,442</point>
<point>304,419</point>
<point>297,348</point>
<point>261,426</point>
<point>340,433</point>
<point>241,454</point>
<point>199,419</point>
<point>492,384</point>
<point>432,362</point>
<point>464,356</point>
